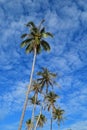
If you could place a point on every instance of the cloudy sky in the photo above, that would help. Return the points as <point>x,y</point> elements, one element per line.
<point>67,20</point>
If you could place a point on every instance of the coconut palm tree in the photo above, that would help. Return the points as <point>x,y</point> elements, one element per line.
<point>58,115</point>
<point>34,42</point>
<point>41,121</point>
<point>46,78</point>
<point>29,124</point>
<point>50,103</point>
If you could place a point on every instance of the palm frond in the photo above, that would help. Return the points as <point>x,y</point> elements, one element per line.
<point>42,30</point>
<point>38,49</point>
<point>51,84</point>
<point>24,35</point>
<point>53,74</point>
<point>47,34</point>
<point>31,24</point>
<point>29,48</point>
<point>45,45</point>
<point>42,21</point>
<point>34,30</point>
<point>39,73</point>
<point>25,42</point>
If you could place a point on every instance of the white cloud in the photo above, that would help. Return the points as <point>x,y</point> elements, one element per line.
<point>73,60</point>
<point>64,19</point>
<point>75,103</point>
<point>13,100</point>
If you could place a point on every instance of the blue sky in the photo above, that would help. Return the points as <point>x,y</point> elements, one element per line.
<point>67,20</point>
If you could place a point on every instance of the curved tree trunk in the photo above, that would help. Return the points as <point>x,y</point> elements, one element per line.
<point>27,94</point>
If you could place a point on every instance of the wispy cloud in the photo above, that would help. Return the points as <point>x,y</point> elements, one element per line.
<point>67,20</point>
<point>12,100</point>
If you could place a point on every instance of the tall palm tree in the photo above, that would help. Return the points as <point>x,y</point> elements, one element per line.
<point>50,100</point>
<point>58,115</point>
<point>46,78</point>
<point>29,124</point>
<point>41,121</point>
<point>34,42</point>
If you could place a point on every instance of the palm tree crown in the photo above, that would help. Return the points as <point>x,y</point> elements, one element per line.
<point>35,39</point>
<point>33,100</point>
<point>58,115</point>
<point>42,120</point>
<point>36,87</point>
<point>29,124</point>
<point>51,99</point>
<point>46,78</point>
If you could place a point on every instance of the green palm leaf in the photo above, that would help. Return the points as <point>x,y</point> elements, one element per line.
<point>35,30</point>
<point>42,30</point>
<point>24,35</point>
<point>39,73</point>
<point>41,24</point>
<point>29,48</point>
<point>25,42</point>
<point>45,45</point>
<point>42,21</point>
<point>45,35</point>
<point>53,75</point>
<point>38,49</point>
<point>31,24</point>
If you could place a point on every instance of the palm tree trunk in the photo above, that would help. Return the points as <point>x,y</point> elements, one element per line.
<point>51,121</point>
<point>29,128</point>
<point>58,126</point>
<point>51,124</point>
<point>26,100</point>
<point>38,117</point>
<point>32,119</point>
